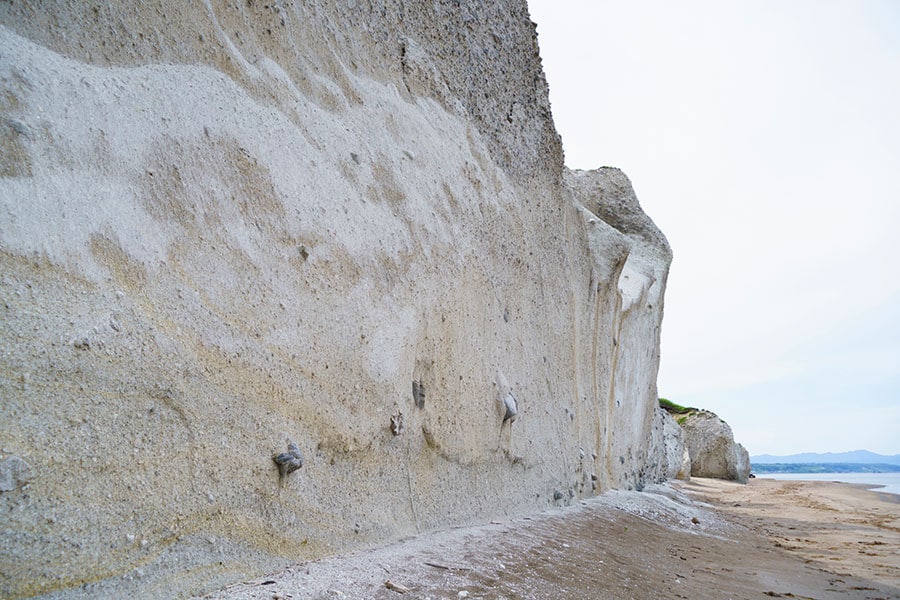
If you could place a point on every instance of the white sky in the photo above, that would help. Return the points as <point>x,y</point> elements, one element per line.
<point>763,137</point>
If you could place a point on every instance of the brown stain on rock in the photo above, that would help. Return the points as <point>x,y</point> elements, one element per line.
<point>14,134</point>
<point>127,272</point>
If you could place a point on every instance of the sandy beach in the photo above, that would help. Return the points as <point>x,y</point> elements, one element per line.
<point>699,539</point>
<point>843,528</point>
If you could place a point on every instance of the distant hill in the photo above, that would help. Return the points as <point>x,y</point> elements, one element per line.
<point>857,457</point>
<point>767,468</point>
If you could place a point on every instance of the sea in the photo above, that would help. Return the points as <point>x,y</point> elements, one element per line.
<point>887,482</point>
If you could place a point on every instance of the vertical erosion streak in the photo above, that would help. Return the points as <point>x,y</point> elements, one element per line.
<point>412,503</point>
<point>595,366</point>
<point>611,398</point>
<point>575,316</point>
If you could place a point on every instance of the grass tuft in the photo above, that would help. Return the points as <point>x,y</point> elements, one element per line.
<point>676,408</point>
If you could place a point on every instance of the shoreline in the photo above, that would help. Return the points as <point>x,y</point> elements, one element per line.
<point>699,539</point>
<point>888,481</point>
<point>849,528</point>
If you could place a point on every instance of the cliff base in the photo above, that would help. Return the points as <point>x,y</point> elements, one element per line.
<point>631,545</point>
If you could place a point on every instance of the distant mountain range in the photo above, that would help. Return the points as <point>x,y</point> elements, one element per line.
<point>863,457</point>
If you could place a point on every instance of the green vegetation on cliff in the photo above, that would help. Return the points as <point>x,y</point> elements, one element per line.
<point>676,409</point>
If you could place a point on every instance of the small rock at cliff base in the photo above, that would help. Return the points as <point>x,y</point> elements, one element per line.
<point>400,589</point>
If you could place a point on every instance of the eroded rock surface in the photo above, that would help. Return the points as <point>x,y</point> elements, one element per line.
<point>713,451</point>
<point>227,225</point>
<point>14,473</point>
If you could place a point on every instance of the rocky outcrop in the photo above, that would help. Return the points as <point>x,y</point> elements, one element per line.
<point>742,465</point>
<point>340,229</point>
<point>668,442</point>
<point>713,451</point>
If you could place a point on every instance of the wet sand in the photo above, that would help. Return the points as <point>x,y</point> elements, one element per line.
<point>698,539</point>
<point>843,527</point>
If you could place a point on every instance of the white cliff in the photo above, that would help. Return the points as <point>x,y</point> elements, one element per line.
<point>226,227</point>
<point>713,451</point>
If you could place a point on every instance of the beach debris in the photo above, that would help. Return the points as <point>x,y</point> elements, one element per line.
<point>557,495</point>
<point>695,520</point>
<point>445,567</point>
<point>289,461</point>
<point>400,589</point>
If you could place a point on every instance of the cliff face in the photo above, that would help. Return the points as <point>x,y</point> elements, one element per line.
<point>229,226</point>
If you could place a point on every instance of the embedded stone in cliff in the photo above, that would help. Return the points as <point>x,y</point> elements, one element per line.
<point>14,473</point>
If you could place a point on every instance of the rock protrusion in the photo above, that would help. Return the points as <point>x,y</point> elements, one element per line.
<point>14,473</point>
<point>713,451</point>
<point>289,461</point>
<point>685,471</point>
<point>507,401</point>
<point>397,423</point>
<point>512,408</point>
<point>678,458</point>
<point>418,392</point>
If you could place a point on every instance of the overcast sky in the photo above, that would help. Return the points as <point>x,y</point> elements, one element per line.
<point>763,137</point>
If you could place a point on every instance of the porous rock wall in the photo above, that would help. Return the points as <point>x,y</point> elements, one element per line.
<point>230,225</point>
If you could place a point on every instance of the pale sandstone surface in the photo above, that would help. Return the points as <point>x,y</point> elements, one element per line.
<point>230,225</point>
<point>686,541</point>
